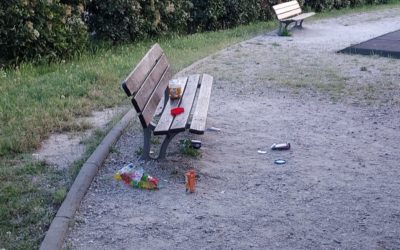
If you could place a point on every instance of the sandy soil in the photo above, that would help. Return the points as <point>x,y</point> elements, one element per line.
<point>63,149</point>
<point>339,188</point>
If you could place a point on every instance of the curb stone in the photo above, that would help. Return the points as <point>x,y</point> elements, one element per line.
<point>54,238</point>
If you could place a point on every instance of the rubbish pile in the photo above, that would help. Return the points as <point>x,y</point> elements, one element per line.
<point>135,176</point>
<point>279,147</point>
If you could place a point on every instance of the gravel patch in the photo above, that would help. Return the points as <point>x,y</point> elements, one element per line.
<point>339,187</point>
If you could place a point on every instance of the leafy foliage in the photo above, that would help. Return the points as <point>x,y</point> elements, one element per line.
<point>40,30</point>
<point>46,30</point>
<point>326,5</point>
<point>115,20</point>
<point>133,20</point>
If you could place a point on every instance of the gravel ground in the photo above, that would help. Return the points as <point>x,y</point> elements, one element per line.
<point>339,188</point>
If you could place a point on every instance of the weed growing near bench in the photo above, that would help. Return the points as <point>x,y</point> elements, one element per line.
<point>285,32</point>
<point>187,148</point>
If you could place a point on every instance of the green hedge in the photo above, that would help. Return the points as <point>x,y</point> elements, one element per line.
<point>44,30</point>
<point>132,20</point>
<point>221,14</point>
<point>40,30</point>
<point>326,5</point>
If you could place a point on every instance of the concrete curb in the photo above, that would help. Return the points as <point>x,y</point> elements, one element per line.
<point>54,238</point>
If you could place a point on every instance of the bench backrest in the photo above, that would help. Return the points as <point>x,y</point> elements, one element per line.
<point>286,10</point>
<point>147,83</point>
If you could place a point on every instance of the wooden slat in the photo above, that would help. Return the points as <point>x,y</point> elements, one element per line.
<point>144,93</point>
<point>166,118</point>
<point>198,124</point>
<point>179,123</point>
<point>302,16</point>
<point>284,5</point>
<point>136,78</point>
<point>289,14</point>
<point>287,9</point>
<point>147,115</point>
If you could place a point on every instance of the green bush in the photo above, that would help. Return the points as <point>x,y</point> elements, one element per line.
<point>46,30</point>
<point>241,12</point>
<point>326,5</point>
<point>205,15</point>
<point>217,14</point>
<point>133,20</point>
<point>175,15</point>
<point>40,30</point>
<point>117,20</point>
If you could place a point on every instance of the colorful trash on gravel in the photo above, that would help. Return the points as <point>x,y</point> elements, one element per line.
<point>190,181</point>
<point>280,146</point>
<point>135,176</point>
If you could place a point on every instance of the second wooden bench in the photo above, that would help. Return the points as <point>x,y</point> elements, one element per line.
<point>288,13</point>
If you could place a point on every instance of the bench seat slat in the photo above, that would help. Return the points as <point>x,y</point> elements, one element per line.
<point>198,124</point>
<point>300,17</point>
<point>135,79</point>
<point>285,15</point>
<point>180,121</point>
<point>166,118</point>
<point>144,93</point>
<point>148,112</point>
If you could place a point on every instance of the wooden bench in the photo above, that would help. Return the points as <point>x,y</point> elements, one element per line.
<point>147,84</point>
<point>288,13</point>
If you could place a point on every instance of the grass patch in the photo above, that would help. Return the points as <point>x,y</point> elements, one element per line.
<point>31,193</point>
<point>27,203</point>
<point>364,8</point>
<point>39,100</point>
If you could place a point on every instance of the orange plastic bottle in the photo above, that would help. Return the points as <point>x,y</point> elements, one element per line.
<point>190,178</point>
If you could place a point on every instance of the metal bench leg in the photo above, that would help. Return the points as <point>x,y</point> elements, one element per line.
<point>300,26</point>
<point>280,29</point>
<point>164,146</point>
<point>280,32</point>
<point>146,144</point>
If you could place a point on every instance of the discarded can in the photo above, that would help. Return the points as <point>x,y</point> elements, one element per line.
<point>214,129</point>
<point>190,180</point>
<point>279,161</point>
<point>280,146</point>
<point>196,144</point>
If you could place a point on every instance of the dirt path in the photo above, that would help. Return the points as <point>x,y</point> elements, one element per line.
<point>339,188</point>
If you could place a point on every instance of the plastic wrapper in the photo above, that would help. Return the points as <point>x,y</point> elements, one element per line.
<point>135,176</point>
